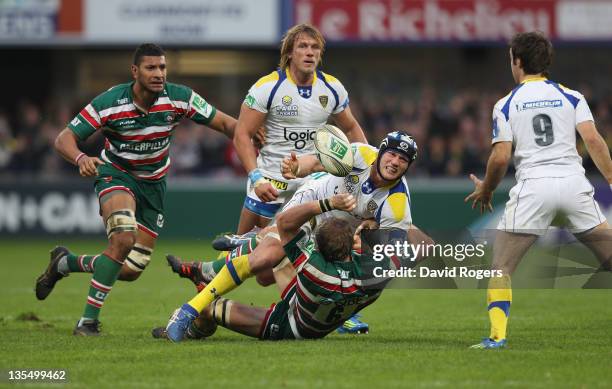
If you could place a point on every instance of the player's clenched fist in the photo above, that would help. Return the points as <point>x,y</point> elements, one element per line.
<point>343,202</point>
<point>88,166</point>
<point>265,191</point>
<point>290,167</point>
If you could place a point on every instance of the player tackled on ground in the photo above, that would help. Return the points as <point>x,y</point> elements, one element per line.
<point>539,118</point>
<point>381,191</point>
<point>137,120</point>
<point>331,283</point>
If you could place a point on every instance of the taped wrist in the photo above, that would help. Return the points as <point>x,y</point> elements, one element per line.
<point>325,205</point>
<point>255,175</point>
<point>122,220</point>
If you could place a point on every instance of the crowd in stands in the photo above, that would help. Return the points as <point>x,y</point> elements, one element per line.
<point>453,132</point>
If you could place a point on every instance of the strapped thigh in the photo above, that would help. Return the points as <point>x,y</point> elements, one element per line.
<point>122,220</point>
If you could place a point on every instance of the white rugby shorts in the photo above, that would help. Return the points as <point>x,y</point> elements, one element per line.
<point>537,203</point>
<point>285,188</point>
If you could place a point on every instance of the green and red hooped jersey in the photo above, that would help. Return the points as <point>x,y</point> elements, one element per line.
<point>137,142</point>
<point>324,294</point>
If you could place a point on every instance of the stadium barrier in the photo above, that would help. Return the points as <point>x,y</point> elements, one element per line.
<point>199,208</point>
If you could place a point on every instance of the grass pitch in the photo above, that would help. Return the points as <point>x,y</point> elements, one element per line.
<point>418,338</point>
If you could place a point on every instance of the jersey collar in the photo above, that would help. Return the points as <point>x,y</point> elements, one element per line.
<point>131,97</point>
<point>534,79</point>
<point>288,74</point>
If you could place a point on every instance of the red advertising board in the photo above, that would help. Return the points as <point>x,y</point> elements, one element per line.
<point>426,20</point>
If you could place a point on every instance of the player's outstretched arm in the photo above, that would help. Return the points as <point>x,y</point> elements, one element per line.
<point>597,148</point>
<point>224,123</point>
<point>291,220</point>
<point>347,122</point>
<point>66,145</point>
<point>496,170</point>
<point>294,167</point>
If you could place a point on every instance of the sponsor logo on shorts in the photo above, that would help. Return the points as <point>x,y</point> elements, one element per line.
<point>277,184</point>
<point>299,136</point>
<point>274,330</point>
<point>160,220</point>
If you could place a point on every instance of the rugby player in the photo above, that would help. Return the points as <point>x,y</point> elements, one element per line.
<point>381,191</point>
<point>291,103</point>
<point>539,118</point>
<point>137,120</point>
<point>331,285</point>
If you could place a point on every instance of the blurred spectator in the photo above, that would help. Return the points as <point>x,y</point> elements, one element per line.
<point>451,127</point>
<point>7,142</point>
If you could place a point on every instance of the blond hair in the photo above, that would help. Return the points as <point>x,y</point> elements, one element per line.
<point>289,41</point>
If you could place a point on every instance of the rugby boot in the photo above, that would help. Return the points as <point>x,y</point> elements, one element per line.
<point>47,280</point>
<point>87,328</point>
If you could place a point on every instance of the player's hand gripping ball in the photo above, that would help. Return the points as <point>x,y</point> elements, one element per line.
<point>333,150</point>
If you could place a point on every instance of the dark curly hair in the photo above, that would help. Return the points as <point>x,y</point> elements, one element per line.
<point>534,50</point>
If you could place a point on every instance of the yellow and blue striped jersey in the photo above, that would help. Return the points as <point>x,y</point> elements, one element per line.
<point>388,205</point>
<point>293,113</point>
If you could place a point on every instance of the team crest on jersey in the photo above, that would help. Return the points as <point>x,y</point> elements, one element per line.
<point>324,99</point>
<point>372,206</point>
<point>170,118</point>
<point>287,100</point>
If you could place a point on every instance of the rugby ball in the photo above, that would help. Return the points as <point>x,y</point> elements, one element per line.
<point>333,150</point>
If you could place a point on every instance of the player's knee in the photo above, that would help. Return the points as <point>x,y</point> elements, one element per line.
<point>121,231</point>
<point>138,258</point>
<point>121,244</point>
<point>127,274</point>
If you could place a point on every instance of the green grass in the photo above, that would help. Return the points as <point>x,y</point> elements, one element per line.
<point>418,338</point>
